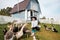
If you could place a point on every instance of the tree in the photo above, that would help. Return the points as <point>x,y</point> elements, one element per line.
<point>5,11</point>
<point>43,17</point>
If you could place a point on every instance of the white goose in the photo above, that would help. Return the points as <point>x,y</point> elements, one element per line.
<point>9,35</point>
<point>20,33</point>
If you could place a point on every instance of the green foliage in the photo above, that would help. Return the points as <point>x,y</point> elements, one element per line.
<point>5,11</point>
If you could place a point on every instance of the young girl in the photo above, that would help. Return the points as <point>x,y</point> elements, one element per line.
<point>34,26</point>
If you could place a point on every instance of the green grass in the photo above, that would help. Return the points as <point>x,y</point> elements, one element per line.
<point>1,31</point>
<point>41,35</point>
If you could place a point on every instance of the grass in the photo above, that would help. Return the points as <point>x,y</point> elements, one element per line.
<point>1,31</point>
<point>41,35</point>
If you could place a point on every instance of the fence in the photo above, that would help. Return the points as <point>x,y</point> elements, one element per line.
<point>49,21</point>
<point>6,19</point>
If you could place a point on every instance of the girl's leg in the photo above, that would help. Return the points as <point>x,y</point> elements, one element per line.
<point>34,38</point>
<point>32,34</point>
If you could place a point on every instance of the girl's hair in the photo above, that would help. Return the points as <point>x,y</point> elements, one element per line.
<point>34,18</point>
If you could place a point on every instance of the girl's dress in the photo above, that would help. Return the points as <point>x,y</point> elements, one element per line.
<point>34,26</point>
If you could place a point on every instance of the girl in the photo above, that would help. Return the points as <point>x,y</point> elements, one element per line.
<point>34,26</point>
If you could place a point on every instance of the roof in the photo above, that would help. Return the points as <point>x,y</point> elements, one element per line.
<point>20,6</point>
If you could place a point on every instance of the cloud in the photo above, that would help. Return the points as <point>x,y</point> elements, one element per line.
<point>8,3</point>
<point>50,8</point>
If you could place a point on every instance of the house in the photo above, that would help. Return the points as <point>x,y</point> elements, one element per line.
<point>26,9</point>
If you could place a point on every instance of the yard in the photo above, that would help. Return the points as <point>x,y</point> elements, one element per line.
<point>41,35</point>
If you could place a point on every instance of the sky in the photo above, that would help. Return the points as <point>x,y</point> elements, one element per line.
<point>49,8</point>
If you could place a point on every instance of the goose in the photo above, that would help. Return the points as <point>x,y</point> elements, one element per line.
<point>20,33</point>
<point>9,35</point>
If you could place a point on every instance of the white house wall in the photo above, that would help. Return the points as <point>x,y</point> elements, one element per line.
<point>20,15</point>
<point>29,15</point>
<point>34,5</point>
<point>26,14</point>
